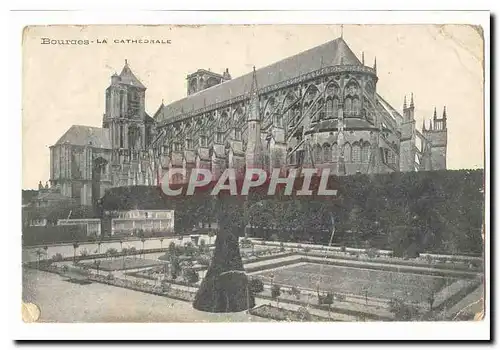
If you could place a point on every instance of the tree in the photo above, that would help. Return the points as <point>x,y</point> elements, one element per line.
<point>296,292</point>
<point>190,249</point>
<point>282,247</point>
<point>121,245</point>
<point>75,247</point>
<point>276,292</point>
<point>161,243</point>
<point>326,299</point>
<point>202,246</point>
<point>306,250</point>
<point>175,267</point>
<point>210,235</point>
<point>57,257</point>
<point>112,252</point>
<point>172,249</point>
<point>38,253</point>
<point>143,240</point>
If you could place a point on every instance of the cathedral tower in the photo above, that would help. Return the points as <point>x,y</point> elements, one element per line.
<point>408,138</point>
<point>437,134</point>
<point>125,111</point>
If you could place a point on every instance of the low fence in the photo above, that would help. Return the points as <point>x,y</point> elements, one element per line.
<point>439,259</point>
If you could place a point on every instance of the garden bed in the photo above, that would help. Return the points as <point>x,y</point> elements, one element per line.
<point>123,264</point>
<point>281,314</point>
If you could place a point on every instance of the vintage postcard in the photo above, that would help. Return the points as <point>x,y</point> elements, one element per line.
<point>253,173</point>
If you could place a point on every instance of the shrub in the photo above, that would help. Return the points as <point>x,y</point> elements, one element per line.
<point>203,260</point>
<point>57,257</point>
<point>255,285</point>
<point>274,237</point>
<point>325,299</point>
<point>282,247</point>
<point>295,291</point>
<point>191,276</point>
<point>342,249</point>
<point>275,291</point>
<point>304,314</point>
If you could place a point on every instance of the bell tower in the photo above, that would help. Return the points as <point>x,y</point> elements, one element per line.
<point>437,135</point>
<point>125,110</point>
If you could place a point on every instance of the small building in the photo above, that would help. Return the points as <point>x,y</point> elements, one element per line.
<point>129,222</point>
<point>93,226</point>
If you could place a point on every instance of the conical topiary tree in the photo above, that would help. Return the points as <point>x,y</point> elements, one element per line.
<point>225,286</point>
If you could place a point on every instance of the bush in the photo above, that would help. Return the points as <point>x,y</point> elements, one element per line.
<point>282,247</point>
<point>304,314</point>
<point>57,257</point>
<point>191,276</point>
<point>342,249</point>
<point>296,292</point>
<point>203,260</point>
<point>325,299</point>
<point>255,285</point>
<point>275,291</point>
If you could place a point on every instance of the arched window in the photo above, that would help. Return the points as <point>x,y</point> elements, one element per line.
<point>347,152</point>
<point>320,106</point>
<point>335,154</point>
<point>356,106</point>
<point>329,108</point>
<point>347,106</point>
<point>318,156</point>
<point>335,107</point>
<point>327,153</point>
<point>365,152</point>
<point>356,153</point>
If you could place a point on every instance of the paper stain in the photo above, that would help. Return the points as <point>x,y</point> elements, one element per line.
<point>30,312</point>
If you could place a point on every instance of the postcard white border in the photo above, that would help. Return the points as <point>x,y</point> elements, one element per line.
<point>217,331</point>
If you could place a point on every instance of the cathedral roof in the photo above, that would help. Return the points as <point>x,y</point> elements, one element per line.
<point>332,53</point>
<point>81,135</point>
<point>127,77</point>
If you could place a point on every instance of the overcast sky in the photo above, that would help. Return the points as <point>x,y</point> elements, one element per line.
<point>65,84</point>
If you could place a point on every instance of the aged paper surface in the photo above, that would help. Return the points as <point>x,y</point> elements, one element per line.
<point>122,125</point>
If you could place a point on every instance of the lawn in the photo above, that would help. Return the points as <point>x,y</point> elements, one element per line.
<point>126,263</point>
<point>351,280</point>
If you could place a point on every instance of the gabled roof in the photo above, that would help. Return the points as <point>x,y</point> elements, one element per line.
<point>128,78</point>
<point>332,53</point>
<point>81,135</point>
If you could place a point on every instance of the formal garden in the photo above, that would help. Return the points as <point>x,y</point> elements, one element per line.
<point>329,285</point>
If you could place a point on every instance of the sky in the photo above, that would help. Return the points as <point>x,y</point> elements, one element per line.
<point>63,85</point>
